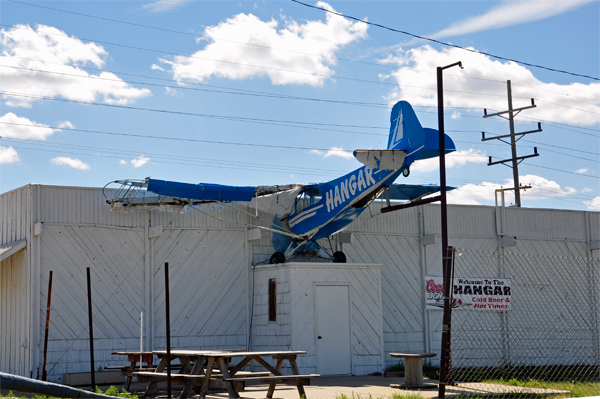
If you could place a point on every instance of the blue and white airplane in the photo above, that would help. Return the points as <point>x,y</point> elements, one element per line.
<point>323,209</point>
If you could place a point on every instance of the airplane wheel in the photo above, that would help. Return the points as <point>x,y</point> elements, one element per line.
<point>339,257</point>
<point>406,172</point>
<point>277,257</point>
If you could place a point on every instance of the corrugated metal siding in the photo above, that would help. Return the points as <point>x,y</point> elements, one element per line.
<point>461,220</point>
<point>16,284</point>
<point>207,275</point>
<point>115,259</point>
<point>393,239</point>
<point>402,292</point>
<point>15,222</point>
<point>546,224</point>
<point>14,317</point>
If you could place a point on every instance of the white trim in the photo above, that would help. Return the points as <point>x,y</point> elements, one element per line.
<point>303,218</point>
<point>292,220</point>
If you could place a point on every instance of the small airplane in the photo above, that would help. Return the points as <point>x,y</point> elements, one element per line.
<point>307,213</point>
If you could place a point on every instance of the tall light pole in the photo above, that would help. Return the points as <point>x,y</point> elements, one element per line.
<point>446,254</point>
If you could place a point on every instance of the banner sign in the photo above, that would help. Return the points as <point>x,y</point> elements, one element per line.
<point>471,293</point>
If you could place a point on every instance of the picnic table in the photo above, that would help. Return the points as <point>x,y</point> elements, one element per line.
<point>134,358</point>
<point>201,369</point>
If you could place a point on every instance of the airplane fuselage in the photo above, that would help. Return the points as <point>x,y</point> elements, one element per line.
<point>331,206</point>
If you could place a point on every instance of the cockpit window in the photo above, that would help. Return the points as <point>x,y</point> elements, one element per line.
<point>307,198</point>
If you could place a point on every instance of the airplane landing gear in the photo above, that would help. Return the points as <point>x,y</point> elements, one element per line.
<point>276,258</point>
<point>406,172</point>
<point>339,257</point>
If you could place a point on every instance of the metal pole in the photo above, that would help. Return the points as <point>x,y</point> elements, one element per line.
<point>168,323</point>
<point>47,326</point>
<point>141,337</point>
<point>444,216</point>
<point>89,288</point>
<point>513,146</point>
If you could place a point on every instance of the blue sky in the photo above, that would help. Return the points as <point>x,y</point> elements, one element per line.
<point>261,93</point>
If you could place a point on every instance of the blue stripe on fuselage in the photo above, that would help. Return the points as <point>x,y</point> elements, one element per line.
<point>339,194</point>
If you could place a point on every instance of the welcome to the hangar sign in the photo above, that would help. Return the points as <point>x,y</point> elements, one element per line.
<point>471,293</point>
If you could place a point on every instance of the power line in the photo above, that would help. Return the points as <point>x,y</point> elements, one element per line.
<point>560,170</point>
<point>262,121</point>
<point>178,138</point>
<point>443,43</point>
<point>233,41</point>
<point>255,66</point>
<point>275,48</point>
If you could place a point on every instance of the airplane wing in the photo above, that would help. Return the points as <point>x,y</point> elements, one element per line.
<point>200,192</point>
<point>411,192</point>
<point>148,192</point>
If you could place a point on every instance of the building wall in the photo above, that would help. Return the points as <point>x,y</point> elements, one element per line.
<point>17,293</point>
<point>295,326</point>
<point>211,281</point>
<point>14,321</point>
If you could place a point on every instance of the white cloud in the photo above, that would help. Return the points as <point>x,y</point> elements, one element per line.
<point>16,127</point>
<point>25,51</point>
<point>139,161</point>
<point>334,152</point>
<point>453,159</point>
<point>582,171</point>
<point>66,125</point>
<point>8,155</point>
<point>123,162</point>
<point>71,162</point>
<point>509,13</point>
<point>593,204</point>
<point>164,5</point>
<point>555,102</point>
<point>542,188</point>
<point>244,47</point>
<point>587,190</point>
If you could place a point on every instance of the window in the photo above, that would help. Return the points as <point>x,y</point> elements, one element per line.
<point>272,299</point>
<point>307,198</point>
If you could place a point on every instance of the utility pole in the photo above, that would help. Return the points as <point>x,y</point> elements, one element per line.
<point>515,160</point>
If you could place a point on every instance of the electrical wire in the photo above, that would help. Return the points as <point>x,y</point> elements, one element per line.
<point>333,58</point>
<point>443,43</point>
<point>255,66</point>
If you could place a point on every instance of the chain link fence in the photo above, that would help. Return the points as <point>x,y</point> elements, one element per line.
<point>525,325</point>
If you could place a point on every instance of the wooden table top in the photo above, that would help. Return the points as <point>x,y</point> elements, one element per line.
<point>131,353</point>
<point>413,355</point>
<point>226,353</point>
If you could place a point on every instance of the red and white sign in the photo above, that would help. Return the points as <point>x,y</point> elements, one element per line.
<point>471,293</point>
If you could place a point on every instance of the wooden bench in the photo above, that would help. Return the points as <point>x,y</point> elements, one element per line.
<point>304,379</point>
<point>216,379</point>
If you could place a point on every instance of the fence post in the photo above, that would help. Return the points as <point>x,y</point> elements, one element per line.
<point>445,363</point>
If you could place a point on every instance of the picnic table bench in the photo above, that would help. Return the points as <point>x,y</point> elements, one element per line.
<point>201,369</point>
<point>134,358</point>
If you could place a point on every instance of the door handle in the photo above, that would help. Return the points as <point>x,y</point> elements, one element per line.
<point>319,337</point>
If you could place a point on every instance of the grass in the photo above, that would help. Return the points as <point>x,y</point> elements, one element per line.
<point>415,395</point>
<point>111,391</point>
<point>580,380</point>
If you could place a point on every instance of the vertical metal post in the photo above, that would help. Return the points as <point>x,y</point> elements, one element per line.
<point>47,326</point>
<point>141,338</point>
<point>168,323</point>
<point>89,289</point>
<point>444,216</point>
<point>513,147</point>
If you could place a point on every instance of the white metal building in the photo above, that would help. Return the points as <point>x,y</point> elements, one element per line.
<point>219,298</point>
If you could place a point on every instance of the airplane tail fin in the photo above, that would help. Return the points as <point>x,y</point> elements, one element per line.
<point>406,132</point>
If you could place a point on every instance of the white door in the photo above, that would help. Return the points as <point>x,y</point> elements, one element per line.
<point>333,329</point>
